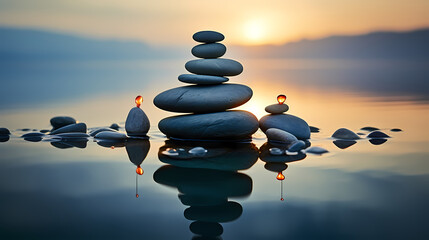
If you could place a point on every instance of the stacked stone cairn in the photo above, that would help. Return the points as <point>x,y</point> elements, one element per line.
<point>208,98</point>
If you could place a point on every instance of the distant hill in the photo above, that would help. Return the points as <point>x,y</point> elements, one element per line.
<point>39,44</point>
<point>21,44</point>
<point>411,44</point>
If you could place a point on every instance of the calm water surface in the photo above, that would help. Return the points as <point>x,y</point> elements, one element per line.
<point>87,190</point>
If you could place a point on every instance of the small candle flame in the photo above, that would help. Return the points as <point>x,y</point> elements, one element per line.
<point>139,100</point>
<point>137,196</point>
<point>139,170</point>
<point>280,176</point>
<point>281,98</point>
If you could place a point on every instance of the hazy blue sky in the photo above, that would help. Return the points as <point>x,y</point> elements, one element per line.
<point>242,21</point>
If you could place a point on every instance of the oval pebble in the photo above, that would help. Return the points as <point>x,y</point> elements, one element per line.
<point>208,36</point>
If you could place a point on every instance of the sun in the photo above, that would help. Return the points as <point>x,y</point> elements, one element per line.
<point>255,31</point>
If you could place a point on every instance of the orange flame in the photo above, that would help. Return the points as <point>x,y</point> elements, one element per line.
<point>139,100</point>
<point>280,176</point>
<point>281,98</point>
<point>139,170</point>
<point>137,196</point>
<point>112,147</point>
<point>282,199</point>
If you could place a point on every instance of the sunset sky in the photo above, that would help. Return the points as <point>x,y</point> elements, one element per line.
<point>246,22</point>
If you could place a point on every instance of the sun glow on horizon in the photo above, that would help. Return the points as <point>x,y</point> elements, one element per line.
<point>255,32</point>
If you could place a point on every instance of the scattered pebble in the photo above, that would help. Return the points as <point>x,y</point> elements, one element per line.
<point>369,129</point>
<point>114,126</point>
<point>113,136</point>
<point>297,146</point>
<point>94,132</point>
<point>344,133</point>
<point>278,135</point>
<point>316,150</point>
<point>44,131</point>
<point>170,152</point>
<point>314,129</point>
<point>396,130</point>
<point>377,134</point>
<point>198,151</point>
<point>78,127</point>
<point>4,131</point>
<point>276,151</point>
<point>61,121</point>
<point>33,134</point>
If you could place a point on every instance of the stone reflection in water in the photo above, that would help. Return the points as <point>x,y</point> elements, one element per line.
<point>343,144</point>
<point>70,143</point>
<point>221,156</point>
<point>137,150</point>
<point>277,163</point>
<point>206,182</point>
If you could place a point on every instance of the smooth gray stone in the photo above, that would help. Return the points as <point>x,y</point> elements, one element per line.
<point>314,129</point>
<point>4,131</point>
<point>94,132</point>
<point>72,135</point>
<point>78,127</point>
<point>201,99</point>
<point>369,129</point>
<point>113,136</point>
<point>278,135</point>
<point>62,121</point>
<point>114,126</point>
<point>378,134</point>
<point>344,133</point>
<point>229,125</point>
<point>209,50</point>
<point>276,151</point>
<point>33,134</point>
<point>202,79</point>
<point>137,123</point>
<point>210,229</point>
<point>297,146</point>
<point>316,150</point>
<point>216,67</point>
<point>286,122</point>
<point>277,108</point>
<point>208,36</point>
